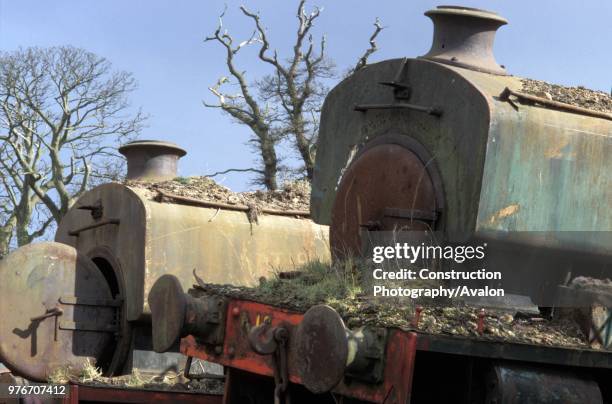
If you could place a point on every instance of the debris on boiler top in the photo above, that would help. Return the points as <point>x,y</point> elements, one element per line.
<point>151,160</point>
<point>464,37</point>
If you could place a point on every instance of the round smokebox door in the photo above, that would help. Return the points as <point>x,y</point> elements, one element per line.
<point>386,188</point>
<point>56,310</point>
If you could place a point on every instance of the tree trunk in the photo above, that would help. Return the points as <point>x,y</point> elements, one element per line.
<point>270,160</point>
<point>306,153</point>
<point>6,233</point>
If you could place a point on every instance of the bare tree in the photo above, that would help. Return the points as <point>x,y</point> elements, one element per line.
<point>285,103</point>
<point>63,111</point>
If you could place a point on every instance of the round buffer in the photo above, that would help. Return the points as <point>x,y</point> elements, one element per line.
<point>322,349</point>
<point>168,305</point>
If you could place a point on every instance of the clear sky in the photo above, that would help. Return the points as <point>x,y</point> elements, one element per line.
<point>161,42</point>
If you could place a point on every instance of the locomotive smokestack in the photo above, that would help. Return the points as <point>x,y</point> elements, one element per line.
<point>464,37</point>
<point>151,160</point>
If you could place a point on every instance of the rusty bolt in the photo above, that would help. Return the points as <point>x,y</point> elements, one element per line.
<point>231,351</point>
<point>235,311</point>
<point>218,349</point>
<point>417,316</point>
<point>481,317</point>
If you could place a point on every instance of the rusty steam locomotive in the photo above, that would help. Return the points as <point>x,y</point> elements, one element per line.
<point>85,294</point>
<point>446,142</point>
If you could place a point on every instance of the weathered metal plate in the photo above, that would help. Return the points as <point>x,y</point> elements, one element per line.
<point>168,305</point>
<point>158,238</point>
<point>511,383</point>
<point>33,280</point>
<point>384,177</point>
<point>322,349</point>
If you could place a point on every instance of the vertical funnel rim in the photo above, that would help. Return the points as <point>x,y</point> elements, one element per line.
<point>152,143</point>
<point>467,12</point>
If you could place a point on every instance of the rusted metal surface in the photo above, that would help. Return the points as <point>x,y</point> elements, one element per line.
<point>455,143</point>
<point>226,206</point>
<point>383,177</point>
<point>548,171</point>
<point>175,314</point>
<point>44,324</point>
<point>464,37</point>
<point>168,304</point>
<point>578,357</point>
<point>151,160</point>
<point>122,246</point>
<point>533,183</point>
<point>80,393</point>
<point>238,353</point>
<point>505,96</point>
<point>399,353</point>
<point>155,238</point>
<point>521,384</point>
<point>323,349</point>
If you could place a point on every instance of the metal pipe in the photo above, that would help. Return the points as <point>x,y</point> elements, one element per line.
<point>151,160</point>
<point>505,96</point>
<point>93,226</point>
<point>464,36</point>
<point>238,207</point>
<point>429,110</point>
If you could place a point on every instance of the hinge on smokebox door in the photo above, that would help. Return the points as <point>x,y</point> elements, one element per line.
<point>401,90</point>
<point>89,325</point>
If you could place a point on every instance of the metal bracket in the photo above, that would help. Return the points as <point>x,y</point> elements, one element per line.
<point>267,340</point>
<point>96,210</point>
<point>435,111</point>
<point>87,301</point>
<point>264,338</point>
<point>401,91</point>
<point>104,222</point>
<point>505,96</point>
<point>411,214</point>
<point>87,326</point>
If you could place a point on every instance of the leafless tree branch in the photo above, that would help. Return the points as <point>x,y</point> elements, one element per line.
<point>61,109</point>
<point>284,104</point>
<point>363,60</point>
<point>235,170</point>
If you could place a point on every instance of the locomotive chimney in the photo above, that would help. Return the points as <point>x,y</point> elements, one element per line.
<point>464,37</point>
<point>151,160</point>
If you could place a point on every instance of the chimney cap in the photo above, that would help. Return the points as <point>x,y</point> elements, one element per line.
<point>468,12</point>
<point>151,160</point>
<point>463,37</point>
<point>152,144</point>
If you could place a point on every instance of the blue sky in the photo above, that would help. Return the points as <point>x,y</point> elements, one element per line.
<point>161,42</point>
